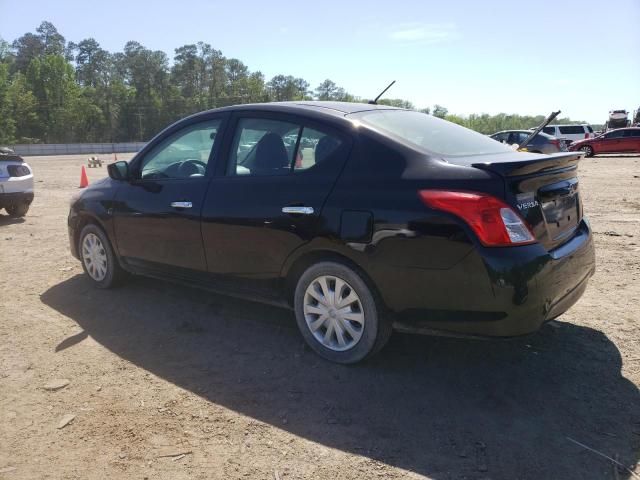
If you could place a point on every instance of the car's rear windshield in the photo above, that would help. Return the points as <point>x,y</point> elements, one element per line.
<point>430,133</point>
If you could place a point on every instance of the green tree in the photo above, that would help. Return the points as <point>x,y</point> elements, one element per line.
<point>397,102</point>
<point>52,81</point>
<point>26,48</point>
<point>282,88</point>
<point>23,110</point>
<point>328,90</point>
<point>53,43</point>
<point>7,121</point>
<point>439,111</point>
<point>256,88</point>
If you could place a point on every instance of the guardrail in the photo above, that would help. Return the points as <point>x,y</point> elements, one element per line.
<point>75,148</point>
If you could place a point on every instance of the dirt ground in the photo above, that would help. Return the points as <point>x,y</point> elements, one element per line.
<point>171,383</point>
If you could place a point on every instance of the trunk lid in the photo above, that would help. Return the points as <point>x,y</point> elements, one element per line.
<point>543,189</point>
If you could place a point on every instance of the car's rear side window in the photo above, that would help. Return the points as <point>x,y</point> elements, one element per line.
<point>429,133</point>
<point>572,130</point>
<point>262,146</point>
<point>549,130</point>
<point>314,148</point>
<point>265,146</point>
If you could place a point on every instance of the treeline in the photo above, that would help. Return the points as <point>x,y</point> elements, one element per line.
<point>485,123</point>
<point>54,91</point>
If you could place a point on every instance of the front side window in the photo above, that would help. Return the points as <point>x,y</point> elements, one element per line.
<point>500,137</point>
<point>429,133</point>
<point>184,154</point>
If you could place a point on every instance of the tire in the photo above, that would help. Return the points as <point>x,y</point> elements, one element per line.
<point>588,150</point>
<point>17,210</point>
<point>98,259</point>
<point>356,316</point>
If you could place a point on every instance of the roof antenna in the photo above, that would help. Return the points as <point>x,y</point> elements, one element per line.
<point>375,102</point>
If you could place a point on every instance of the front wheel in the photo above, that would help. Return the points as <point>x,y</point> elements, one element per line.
<point>588,150</point>
<point>98,260</point>
<point>17,210</point>
<point>338,314</point>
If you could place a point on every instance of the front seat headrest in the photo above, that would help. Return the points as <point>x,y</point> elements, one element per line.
<point>271,154</point>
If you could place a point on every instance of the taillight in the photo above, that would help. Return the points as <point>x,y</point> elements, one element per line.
<point>555,142</point>
<point>494,222</point>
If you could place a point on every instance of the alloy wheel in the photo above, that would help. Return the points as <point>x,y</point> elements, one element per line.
<point>588,150</point>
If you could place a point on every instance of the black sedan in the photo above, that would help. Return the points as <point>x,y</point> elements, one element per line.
<point>373,218</point>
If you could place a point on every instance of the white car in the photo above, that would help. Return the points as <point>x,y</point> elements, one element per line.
<point>573,133</point>
<point>16,184</point>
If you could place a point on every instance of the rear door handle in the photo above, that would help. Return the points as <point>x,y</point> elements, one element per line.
<point>298,210</point>
<point>181,204</point>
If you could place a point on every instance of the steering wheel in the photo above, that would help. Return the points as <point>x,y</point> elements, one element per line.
<point>190,167</point>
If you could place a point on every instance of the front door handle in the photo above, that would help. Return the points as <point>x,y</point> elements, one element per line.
<point>181,204</point>
<point>298,210</point>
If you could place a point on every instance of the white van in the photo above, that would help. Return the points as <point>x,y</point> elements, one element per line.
<point>570,132</point>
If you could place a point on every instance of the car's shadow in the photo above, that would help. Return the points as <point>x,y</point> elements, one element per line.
<point>441,407</point>
<point>8,220</point>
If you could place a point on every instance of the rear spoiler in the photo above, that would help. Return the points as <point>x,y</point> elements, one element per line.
<point>532,164</point>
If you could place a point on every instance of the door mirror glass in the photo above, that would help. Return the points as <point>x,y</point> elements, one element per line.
<point>119,170</point>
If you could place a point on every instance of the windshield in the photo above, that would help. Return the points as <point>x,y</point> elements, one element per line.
<point>430,133</point>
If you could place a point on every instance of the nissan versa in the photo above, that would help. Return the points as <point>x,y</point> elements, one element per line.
<point>359,217</point>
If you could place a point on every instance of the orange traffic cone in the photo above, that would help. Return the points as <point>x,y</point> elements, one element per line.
<point>84,180</point>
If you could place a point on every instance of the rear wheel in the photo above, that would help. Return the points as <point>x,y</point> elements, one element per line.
<point>98,260</point>
<point>588,150</point>
<point>17,210</point>
<point>338,314</point>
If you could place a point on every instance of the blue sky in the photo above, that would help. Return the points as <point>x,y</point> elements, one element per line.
<point>492,56</point>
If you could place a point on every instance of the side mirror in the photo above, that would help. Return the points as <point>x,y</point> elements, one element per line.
<point>119,170</point>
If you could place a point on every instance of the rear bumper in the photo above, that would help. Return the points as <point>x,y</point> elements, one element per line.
<point>518,290</point>
<point>15,198</point>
